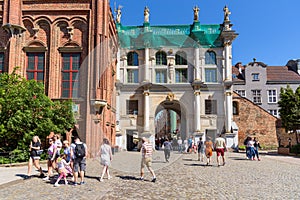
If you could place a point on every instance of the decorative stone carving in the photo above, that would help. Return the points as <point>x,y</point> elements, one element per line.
<point>70,32</point>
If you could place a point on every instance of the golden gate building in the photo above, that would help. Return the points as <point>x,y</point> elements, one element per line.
<point>174,80</point>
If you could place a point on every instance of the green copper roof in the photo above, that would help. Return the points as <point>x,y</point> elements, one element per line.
<point>139,37</point>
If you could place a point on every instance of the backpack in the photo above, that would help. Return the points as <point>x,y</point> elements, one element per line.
<point>79,150</point>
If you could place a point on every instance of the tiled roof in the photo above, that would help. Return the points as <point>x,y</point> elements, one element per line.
<point>281,74</point>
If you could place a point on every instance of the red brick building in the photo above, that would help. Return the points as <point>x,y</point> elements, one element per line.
<point>254,121</point>
<point>70,46</point>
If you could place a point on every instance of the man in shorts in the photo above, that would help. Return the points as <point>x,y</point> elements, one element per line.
<point>79,163</point>
<point>220,147</point>
<point>147,158</point>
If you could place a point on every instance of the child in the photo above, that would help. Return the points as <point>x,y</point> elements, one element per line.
<point>61,163</point>
<point>67,151</point>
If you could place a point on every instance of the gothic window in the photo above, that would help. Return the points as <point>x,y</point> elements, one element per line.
<point>181,75</point>
<point>132,107</point>
<point>161,75</point>
<point>211,75</point>
<point>210,106</point>
<point>132,59</point>
<point>210,58</point>
<point>180,58</point>
<point>272,96</point>
<point>1,62</point>
<point>70,75</point>
<point>132,75</point>
<point>35,66</point>
<point>161,58</point>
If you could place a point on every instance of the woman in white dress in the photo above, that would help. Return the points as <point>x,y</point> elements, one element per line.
<point>105,158</point>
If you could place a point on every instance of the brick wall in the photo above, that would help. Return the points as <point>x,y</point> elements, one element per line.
<point>253,121</point>
<point>65,25</point>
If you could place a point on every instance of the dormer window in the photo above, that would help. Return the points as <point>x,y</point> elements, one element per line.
<point>255,77</point>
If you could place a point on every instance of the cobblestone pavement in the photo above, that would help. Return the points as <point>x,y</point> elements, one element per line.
<point>275,177</point>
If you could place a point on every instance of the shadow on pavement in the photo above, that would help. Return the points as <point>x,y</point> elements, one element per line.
<point>187,159</point>
<point>128,178</point>
<point>195,165</point>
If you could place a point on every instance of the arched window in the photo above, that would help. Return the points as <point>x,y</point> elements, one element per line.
<point>132,59</point>
<point>180,58</point>
<point>161,58</point>
<point>210,58</point>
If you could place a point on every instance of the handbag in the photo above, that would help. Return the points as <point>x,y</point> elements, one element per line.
<point>39,152</point>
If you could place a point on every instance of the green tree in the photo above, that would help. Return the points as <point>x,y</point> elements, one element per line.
<point>290,109</point>
<point>26,111</point>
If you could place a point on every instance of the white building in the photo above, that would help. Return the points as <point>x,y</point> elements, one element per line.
<point>185,69</point>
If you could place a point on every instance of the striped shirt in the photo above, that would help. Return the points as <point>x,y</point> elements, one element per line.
<point>146,150</point>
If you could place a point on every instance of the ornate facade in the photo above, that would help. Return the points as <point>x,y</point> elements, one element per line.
<point>185,69</point>
<point>70,46</point>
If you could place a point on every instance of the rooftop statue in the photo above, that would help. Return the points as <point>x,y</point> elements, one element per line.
<point>196,13</point>
<point>146,14</point>
<point>119,14</point>
<point>226,13</point>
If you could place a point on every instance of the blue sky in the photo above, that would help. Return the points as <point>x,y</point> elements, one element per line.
<point>269,30</point>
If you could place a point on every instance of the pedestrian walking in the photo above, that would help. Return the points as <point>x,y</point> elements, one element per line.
<point>105,158</point>
<point>61,166</point>
<point>208,149</point>
<point>167,149</point>
<point>201,150</point>
<point>220,147</point>
<point>34,157</point>
<point>256,146</point>
<point>179,142</point>
<point>67,151</point>
<point>190,145</point>
<point>147,158</point>
<point>79,152</point>
<point>251,152</point>
<point>50,159</point>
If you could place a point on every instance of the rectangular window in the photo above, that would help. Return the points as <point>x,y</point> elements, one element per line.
<point>211,75</point>
<point>181,75</point>
<point>255,77</point>
<point>132,107</point>
<point>241,93</point>
<point>35,66</point>
<point>272,96</point>
<point>70,75</point>
<point>161,76</point>
<point>132,75</point>
<point>1,62</point>
<point>256,94</point>
<point>210,107</point>
<point>273,112</point>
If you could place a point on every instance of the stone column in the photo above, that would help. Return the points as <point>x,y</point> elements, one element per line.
<point>197,111</point>
<point>146,70</point>
<point>197,64</point>
<point>228,111</point>
<point>146,111</point>
<point>228,76</point>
